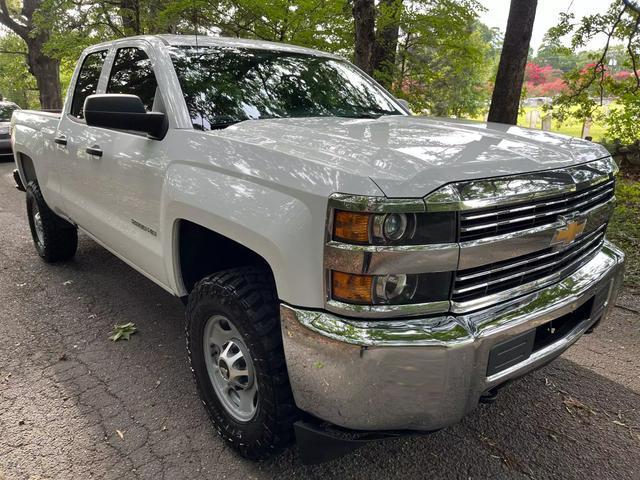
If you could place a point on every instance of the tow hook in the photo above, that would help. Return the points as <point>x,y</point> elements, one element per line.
<point>18,180</point>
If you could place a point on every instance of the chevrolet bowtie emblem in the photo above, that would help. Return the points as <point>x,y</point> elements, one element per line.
<point>572,229</point>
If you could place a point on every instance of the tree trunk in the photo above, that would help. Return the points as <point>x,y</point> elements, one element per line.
<point>386,41</point>
<point>505,100</point>
<point>364,16</point>
<point>46,70</point>
<point>130,16</point>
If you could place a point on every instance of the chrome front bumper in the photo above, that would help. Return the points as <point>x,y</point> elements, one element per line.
<point>425,374</point>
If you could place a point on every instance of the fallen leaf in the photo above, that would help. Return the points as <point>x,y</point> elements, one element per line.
<point>123,332</point>
<point>68,282</point>
<point>120,434</point>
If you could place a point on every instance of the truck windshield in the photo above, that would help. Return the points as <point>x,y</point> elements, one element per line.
<point>5,112</point>
<point>223,85</point>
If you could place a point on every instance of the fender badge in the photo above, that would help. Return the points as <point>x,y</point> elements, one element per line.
<point>572,229</point>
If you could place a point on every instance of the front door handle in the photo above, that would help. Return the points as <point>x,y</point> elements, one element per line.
<point>95,150</point>
<point>60,140</point>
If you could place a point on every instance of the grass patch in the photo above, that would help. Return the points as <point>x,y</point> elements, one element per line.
<point>570,126</point>
<point>624,228</point>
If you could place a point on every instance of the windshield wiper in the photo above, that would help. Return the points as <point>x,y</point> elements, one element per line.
<point>223,125</point>
<point>360,115</point>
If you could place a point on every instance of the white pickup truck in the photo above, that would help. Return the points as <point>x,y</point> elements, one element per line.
<point>350,271</point>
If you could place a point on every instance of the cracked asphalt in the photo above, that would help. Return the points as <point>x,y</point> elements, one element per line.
<point>74,405</point>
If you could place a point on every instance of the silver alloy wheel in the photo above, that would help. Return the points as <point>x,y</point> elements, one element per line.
<point>37,222</point>
<point>230,368</point>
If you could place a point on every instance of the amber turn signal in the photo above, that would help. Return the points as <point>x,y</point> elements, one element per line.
<point>350,288</point>
<point>351,226</point>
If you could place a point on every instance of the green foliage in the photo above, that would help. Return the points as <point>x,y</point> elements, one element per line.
<point>588,85</point>
<point>16,83</point>
<point>624,229</point>
<point>446,58</point>
<point>623,123</point>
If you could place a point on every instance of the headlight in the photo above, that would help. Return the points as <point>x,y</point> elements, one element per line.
<point>391,289</point>
<point>394,228</point>
<point>389,257</point>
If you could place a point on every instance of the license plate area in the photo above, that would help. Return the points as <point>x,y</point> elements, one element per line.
<point>518,349</point>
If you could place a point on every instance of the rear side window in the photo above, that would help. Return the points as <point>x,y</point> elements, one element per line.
<point>87,82</point>
<point>132,73</point>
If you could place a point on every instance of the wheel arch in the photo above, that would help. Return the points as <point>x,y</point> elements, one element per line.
<point>26,168</point>
<point>200,251</point>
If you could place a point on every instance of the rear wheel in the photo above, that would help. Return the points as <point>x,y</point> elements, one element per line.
<point>55,239</point>
<point>235,351</point>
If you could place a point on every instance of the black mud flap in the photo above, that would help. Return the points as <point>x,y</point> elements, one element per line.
<point>18,180</point>
<point>319,444</point>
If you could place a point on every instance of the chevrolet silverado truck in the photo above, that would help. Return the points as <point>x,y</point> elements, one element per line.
<point>350,271</point>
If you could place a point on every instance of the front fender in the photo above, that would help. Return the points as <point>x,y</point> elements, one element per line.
<point>286,228</point>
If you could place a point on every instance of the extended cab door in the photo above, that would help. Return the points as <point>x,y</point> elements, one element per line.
<point>115,187</point>
<point>134,165</point>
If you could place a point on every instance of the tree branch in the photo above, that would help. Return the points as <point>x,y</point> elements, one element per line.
<point>6,20</point>
<point>11,52</point>
<point>632,54</point>
<point>632,6</point>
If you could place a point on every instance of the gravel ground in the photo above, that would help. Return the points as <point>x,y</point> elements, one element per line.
<point>74,405</point>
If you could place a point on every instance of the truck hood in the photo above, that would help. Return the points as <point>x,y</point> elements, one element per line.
<point>409,156</point>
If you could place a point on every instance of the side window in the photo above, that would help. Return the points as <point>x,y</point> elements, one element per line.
<point>87,82</point>
<point>132,73</point>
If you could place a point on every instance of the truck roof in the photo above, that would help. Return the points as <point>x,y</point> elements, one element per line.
<point>205,40</point>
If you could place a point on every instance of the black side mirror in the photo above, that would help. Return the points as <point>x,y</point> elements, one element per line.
<point>124,112</point>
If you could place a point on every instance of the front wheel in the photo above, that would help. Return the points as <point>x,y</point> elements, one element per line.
<point>235,351</point>
<point>55,239</point>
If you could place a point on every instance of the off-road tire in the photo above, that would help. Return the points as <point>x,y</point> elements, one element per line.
<point>247,297</point>
<point>59,240</point>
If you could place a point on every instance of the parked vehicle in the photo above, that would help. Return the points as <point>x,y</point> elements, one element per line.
<point>350,271</point>
<point>6,110</point>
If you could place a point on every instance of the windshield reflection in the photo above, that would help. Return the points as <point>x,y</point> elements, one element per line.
<point>224,85</point>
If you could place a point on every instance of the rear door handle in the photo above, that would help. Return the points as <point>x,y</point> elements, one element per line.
<point>60,140</point>
<point>95,150</point>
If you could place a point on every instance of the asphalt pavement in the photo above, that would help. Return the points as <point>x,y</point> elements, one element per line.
<point>74,405</point>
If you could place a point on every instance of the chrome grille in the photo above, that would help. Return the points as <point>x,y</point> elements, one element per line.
<point>489,222</point>
<point>478,282</point>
